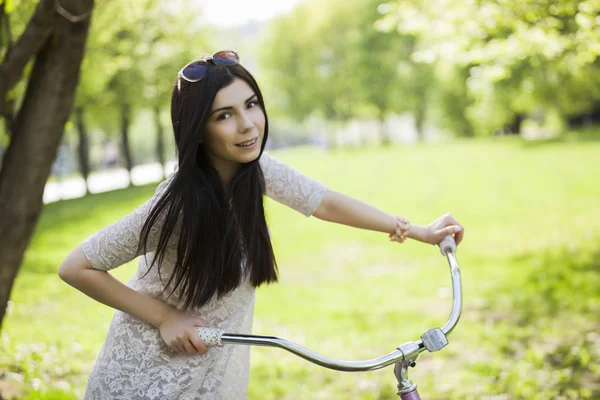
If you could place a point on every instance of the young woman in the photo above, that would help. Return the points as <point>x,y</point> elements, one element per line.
<point>205,244</point>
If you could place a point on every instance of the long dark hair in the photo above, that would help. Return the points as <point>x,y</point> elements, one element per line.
<point>218,227</point>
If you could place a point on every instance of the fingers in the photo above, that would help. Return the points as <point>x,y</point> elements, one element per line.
<point>188,346</point>
<point>195,339</point>
<point>449,230</point>
<point>456,231</point>
<point>189,343</point>
<point>198,344</point>
<point>459,235</point>
<point>179,334</point>
<point>455,228</point>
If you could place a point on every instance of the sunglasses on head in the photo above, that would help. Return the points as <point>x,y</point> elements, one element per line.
<point>195,70</point>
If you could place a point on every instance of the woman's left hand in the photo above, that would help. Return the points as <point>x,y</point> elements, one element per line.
<point>437,230</point>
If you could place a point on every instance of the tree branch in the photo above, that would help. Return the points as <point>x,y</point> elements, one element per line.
<point>39,27</point>
<point>5,22</point>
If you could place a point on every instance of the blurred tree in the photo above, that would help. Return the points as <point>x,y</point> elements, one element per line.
<point>387,80</point>
<point>520,56</point>
<point>173,40</point>
<point>133,58</point>
<point>287,59</point>
<point>344,65</point>
<point>92,106</point>
<point>83,148</point>
<point>13,19</point>
<point>55,37</point>
<point>316,72</point>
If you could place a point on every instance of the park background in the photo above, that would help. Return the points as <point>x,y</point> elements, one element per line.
<point>489,110</point>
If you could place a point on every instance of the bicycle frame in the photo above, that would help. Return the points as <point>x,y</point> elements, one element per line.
<point>403,357</point>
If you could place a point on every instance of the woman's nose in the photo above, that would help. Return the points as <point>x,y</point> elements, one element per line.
<point>245,123</point>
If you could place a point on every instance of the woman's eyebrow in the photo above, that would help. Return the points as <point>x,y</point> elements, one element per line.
<point>231,107</point>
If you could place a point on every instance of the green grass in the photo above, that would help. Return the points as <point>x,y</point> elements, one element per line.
<point>529,263</point>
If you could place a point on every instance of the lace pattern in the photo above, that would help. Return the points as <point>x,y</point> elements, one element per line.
<point>290,187</point>
<point>134,362</point>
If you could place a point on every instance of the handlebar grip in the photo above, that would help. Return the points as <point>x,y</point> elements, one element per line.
<point>211,336</point>
<point>447,245</point>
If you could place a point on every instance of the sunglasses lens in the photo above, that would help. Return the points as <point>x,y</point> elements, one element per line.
<point>226,58</point>
<point>195,71</point>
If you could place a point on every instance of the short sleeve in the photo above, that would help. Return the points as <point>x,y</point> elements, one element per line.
<point>290,187</point>
<point>116,244</point>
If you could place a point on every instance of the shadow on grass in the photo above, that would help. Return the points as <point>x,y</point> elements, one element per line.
<point>563,280</point>
<point>547,342</point>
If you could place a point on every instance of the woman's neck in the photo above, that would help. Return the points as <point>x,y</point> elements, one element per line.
<point>226,171</point>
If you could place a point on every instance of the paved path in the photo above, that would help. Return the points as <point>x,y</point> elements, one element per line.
<point>104,181</point>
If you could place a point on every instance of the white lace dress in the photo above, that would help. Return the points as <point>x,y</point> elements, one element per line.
<point>134,362</point>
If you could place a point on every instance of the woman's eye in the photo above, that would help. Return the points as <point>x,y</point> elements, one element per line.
<point>223,116</point>
<point>252,104</point>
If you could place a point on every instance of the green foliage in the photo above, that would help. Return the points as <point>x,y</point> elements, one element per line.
<point>561,280</point>
<point>133,56</point>
<point>561,287</point>
<point>12,25</point>
<point>9,5</point>
<point>133,53</point>
<point>483,67</point>
<point>47,371</point>
<point>19,12</point>
<point>520,55</point>
<point>340,66</point>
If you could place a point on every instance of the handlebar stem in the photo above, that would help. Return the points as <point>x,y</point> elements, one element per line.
<point>410,351</point>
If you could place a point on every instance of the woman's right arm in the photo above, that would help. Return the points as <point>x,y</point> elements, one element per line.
<point>177,328</point>
<point>100,285</point>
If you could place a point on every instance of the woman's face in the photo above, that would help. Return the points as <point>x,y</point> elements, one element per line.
<point>236,118</point>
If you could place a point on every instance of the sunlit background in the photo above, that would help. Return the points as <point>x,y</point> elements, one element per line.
<point>232,13</point>
<point>486,109</point>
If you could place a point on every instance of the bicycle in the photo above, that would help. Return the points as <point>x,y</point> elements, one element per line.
<point>403,357</point>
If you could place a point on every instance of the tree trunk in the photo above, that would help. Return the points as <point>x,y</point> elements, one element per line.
<point>332,117</point>
<point>84,147</point>
<point>515,126</point>
<point>9,105</point>
<point>39,126</point>
<point>125,118</point>
<point>39,27</point>
<point>160,141</point>
<point>383,134</point>
<point>420,121</point>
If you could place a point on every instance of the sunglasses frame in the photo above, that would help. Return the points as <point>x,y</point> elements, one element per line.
<point>205,60</point>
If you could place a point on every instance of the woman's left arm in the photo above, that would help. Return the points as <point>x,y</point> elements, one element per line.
<point>339,208</point>
<point>310,197</point>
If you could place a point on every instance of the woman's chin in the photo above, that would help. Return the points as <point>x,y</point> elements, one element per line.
<point>248,155</point>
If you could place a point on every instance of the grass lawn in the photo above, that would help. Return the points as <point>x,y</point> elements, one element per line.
<point>530,266</point>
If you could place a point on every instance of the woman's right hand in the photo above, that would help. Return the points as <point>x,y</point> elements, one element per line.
<point>437,230</point>
<point>178,330</point>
